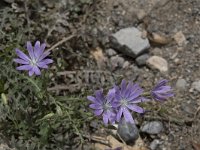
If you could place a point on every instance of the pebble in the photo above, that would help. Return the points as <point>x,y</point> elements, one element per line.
<point>140,14</point>
<point>189,108</point>
<point>126,64</point>
<point>141,60</point>
<point>158,63</point>
<point>157,51</point>
<point>129,42</point>
<point>181,84</point>
<point>128,132</point>
<point>154,144</point>
<point>117,61</point>
<point>196,85</point>
<point>153,127</point>
<point>110,52</point>
<point>180,38</point>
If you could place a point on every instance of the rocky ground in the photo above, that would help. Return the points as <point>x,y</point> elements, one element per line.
<point>172,29</point>
<point>141,40</point>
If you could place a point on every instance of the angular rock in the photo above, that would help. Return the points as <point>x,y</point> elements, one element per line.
<point>153,127</point>
<point>181,84</point>
<point>158,63</point>
<point>196,85</point>
<point>129,41</point>
<point>128,132</point>
<point>141,60</point>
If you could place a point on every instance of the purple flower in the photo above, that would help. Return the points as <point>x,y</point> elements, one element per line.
<point>162,91</point>
<point>126,98</point>
<point>102,105</point>
<point>35,60</point>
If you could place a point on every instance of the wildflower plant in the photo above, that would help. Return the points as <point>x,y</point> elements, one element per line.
<point>125,99</point>
<point>28,109</point>
<point>36,59</point>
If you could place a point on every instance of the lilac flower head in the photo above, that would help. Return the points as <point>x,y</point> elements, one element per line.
<point>162,91</point>
<point>126,98</point>
<point>36,59</point>
<point>102,105</point>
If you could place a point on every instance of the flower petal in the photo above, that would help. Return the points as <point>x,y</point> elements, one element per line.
<point>136,108</point>
<point>119,114</point>
<point>41,65</point>
<point>21,61</point>
<point>31,72</point>
<point>30,50</point>
<point>127,115</point>
<point>37,48</point>
<point>105,118</point>
<point>95,106</point>
<point>36,70</point>
<point>46,61</point>
<point>44,55</point>
<point>99,96</point>
<point>22,55</point>
<point>24,67</point>
<point>98,112</point>
<point>92,99</point>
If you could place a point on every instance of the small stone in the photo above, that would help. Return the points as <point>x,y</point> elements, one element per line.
<point>153,127</point>
<point>157,51</point>
<point>196,85</point>
<point>141,60</point>
<point>140,14</point>
<point>126,64</point>
<point>128,132</point>
<point>189,108</point>
<point>129,42</point>
<point>159,39</point>
<point>181,84</point>
<point>117,61</point>
<point>111,52</point>
<point>180,38</point>
<point>154,144</point>
<point>158,63</point>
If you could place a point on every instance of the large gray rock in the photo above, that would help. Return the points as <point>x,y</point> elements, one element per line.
<point>153,127</point>
<point>129,41</point>
<point>128,132</point>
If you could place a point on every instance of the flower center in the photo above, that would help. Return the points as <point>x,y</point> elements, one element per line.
<point>33,62</point>
<point>106,106</point>
<point>123,102</point>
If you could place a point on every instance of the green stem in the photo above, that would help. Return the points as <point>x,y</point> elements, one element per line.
<point>30,80</point>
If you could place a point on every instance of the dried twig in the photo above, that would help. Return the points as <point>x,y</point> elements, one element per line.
<point>97,139</point>
<point>61,42</point>
<point>62,87</point>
